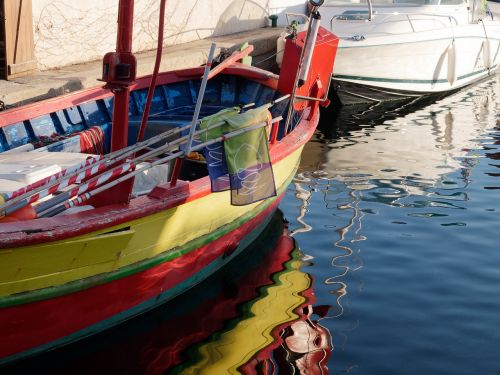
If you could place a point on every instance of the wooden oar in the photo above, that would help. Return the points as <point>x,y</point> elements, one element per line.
<point>201,95</point>
<point>85,173</point>
<point>90,184</point>
<point>98,180</point>
<point>81,198</point>
<point>23,193</point>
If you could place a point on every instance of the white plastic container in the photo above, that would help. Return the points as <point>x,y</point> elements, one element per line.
<point>61,159</point>
<point>26,173</point>
<point>148,179</point>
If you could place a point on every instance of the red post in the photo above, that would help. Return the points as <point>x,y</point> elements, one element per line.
<point>176,171</point>
<point>119,137</point>
<point>274,132</point>
<point>119,72</point>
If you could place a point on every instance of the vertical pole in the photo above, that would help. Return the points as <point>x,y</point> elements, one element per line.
<point>119,132</point>
<point>154,77</point>
<point>297,75</point>
<point>274,132</point>
<point>194,121</point>
<point>176,172</point>
<point>119,136</point>
<point>201,95</point>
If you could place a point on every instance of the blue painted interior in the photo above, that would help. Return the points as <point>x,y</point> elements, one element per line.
<point>173,103</point>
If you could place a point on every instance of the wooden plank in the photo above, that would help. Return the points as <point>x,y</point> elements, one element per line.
<point>22,67</point>
<point>3,60</point>
<point>19,41</point>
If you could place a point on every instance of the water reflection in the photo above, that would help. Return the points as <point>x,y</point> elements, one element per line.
<point>392,200</point>
<point>408,157</point>
<point>423,158</point>
<point>256,314</point>
<point>388,159</point>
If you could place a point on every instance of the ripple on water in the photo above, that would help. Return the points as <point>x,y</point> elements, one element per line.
<point>421,289</point>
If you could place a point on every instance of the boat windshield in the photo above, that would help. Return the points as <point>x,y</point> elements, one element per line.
<point>393,2</point>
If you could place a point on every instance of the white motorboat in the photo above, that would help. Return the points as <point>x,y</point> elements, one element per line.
<point>392,50</point>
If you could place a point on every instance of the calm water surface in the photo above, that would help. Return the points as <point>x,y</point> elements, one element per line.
<point>400,219</point>
<point>395,268</point>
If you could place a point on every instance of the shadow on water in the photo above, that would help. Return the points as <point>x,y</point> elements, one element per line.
<point>338,120</point>
<point>255,314</point>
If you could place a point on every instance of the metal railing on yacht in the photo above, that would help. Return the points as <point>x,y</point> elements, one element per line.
<point>369,17</point>
<point>431,16</point>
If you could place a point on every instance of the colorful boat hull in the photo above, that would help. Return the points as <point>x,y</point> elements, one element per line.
<point>174,336</point>
<point>69,317</point>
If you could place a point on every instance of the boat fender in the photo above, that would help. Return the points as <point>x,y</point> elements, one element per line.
<point>452,64</point>
<point>486,54</point>
<point>280,48</point>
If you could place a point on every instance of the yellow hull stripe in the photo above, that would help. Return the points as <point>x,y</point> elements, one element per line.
<point>56,263</point>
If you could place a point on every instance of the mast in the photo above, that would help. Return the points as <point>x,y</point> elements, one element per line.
<point>119,72</point>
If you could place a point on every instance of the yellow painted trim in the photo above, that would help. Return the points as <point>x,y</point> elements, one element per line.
<point>56,263</point>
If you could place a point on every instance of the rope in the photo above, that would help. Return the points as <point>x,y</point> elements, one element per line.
<point>92,141</point>
<point>154,77</point>
<point>267,58</point>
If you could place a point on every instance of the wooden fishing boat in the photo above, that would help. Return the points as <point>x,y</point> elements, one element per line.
<point>81,248</point>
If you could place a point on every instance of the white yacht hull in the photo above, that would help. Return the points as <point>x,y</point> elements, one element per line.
<point>409,50</point>
<point>419,63</point>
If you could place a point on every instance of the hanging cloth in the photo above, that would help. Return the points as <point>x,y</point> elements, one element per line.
<point>243,164</point>
<point>214,154</point>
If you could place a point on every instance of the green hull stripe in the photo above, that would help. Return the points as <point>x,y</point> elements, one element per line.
<point>145,306</point>
<point>418,81</point>
<point>75,286</point>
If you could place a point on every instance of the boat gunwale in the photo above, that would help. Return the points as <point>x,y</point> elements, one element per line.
<point>43,230</point>
<point>36,109</point>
